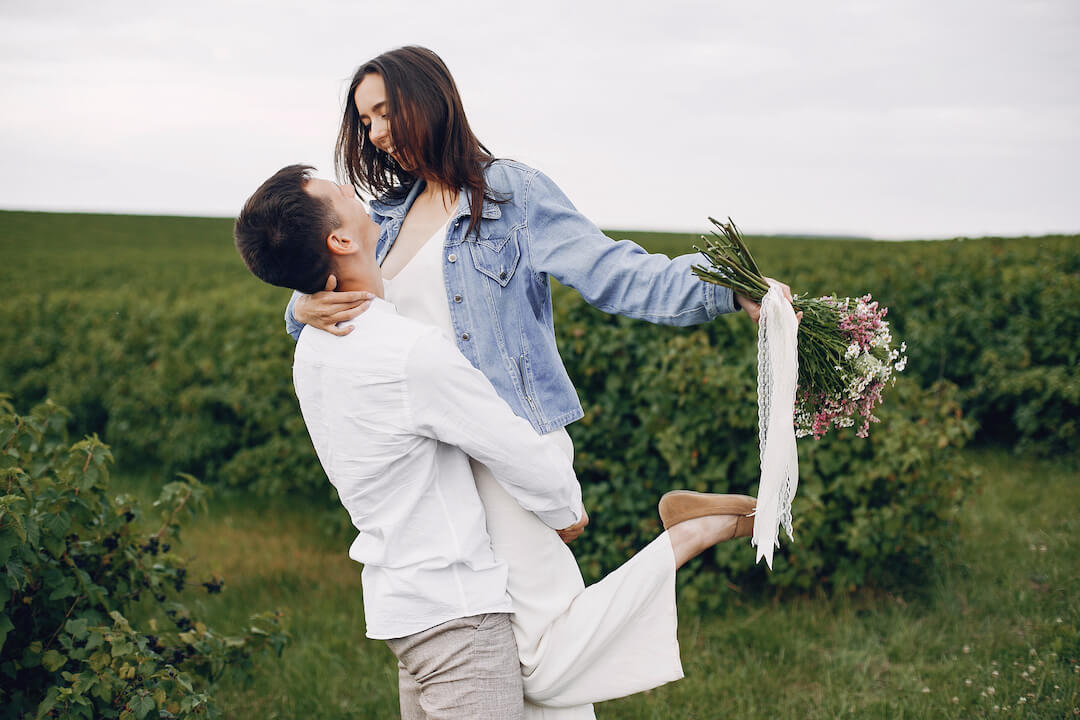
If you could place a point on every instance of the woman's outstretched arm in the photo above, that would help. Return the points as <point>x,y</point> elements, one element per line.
<point>614,276</point>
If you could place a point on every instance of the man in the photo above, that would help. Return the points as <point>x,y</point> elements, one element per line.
<point>394,410</point>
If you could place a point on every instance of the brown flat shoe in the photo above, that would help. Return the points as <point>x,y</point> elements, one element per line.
<point>680,505</point>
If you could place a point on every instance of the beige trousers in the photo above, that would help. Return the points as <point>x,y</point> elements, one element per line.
<point>464,669</point>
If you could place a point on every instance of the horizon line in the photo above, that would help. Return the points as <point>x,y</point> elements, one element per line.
<point>808,234</point>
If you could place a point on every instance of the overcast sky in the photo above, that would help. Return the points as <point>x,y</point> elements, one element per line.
<point>892,119</point>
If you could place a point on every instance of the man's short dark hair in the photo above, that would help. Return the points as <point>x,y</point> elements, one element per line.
<point>281,232</point>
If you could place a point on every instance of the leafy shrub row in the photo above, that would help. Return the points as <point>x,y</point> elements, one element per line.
<point>78,566</point>
<point>199,382</point>
<point>665,408</point>
<point>668,409</point>
<point>994,316</point>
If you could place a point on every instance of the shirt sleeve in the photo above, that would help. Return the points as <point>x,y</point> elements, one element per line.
<point>455,403</point>
<point>292,325</point>
<point>616,277</point>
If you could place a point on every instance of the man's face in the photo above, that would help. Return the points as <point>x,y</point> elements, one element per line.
<point>352,216</point>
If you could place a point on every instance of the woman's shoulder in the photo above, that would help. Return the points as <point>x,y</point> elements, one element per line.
<point>504,173</point>
<point>518,180</point>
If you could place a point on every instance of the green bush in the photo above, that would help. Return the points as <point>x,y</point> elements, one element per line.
<point>992,315</point>
<point>172,385</point>
<point>668,409</point>
<point>186,368</point>
<point>78,567</point>
<point>996,317</point>
<point>122,346</point>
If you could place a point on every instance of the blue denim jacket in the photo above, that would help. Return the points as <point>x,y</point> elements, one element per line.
<point>499,297</point>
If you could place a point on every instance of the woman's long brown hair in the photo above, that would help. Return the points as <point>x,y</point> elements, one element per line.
<point>428,127</point>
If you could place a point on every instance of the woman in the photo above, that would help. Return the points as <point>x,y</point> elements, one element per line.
<point>467,243</point>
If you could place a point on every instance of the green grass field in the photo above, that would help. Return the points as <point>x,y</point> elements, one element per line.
<point>994,633</point>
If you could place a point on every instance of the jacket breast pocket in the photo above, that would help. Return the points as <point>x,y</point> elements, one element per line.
<point>496,256</point>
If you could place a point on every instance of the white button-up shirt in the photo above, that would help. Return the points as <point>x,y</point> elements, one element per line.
<point>394,410</point>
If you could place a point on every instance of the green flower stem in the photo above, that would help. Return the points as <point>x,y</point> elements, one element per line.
<point>821,347</point>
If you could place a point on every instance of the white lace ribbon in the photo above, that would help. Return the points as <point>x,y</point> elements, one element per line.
<point>778,376</point>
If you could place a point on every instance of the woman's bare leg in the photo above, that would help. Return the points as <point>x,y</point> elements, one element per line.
<point>692,537</point>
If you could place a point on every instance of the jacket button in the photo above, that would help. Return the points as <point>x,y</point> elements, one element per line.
<point>452,257</point>
<point>457,298</point>
<point>502,275</point>
<point>464,336</point>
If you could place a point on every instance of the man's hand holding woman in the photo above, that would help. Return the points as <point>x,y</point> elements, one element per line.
<point>326,309</point>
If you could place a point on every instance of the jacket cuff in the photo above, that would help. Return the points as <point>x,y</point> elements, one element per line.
<point>291,325</point>
<point>719,300</point>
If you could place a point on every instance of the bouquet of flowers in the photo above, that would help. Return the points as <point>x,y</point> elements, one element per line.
<point>830,369</point>
<point>846,353</point>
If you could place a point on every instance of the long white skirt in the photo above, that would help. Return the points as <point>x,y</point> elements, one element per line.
<point>581,645</point>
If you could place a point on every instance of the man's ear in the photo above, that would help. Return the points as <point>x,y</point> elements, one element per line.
<point>340,244</point>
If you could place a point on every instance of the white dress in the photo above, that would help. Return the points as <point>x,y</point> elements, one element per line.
<point>577,645</point>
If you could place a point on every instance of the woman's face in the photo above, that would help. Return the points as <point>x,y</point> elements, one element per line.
<point>374,111</point>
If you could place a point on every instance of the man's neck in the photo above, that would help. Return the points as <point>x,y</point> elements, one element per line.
<point>359,276</point>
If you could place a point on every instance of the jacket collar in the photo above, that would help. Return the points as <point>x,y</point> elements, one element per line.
<point>397,211</point>
<point>392,210</point>
<point>489,211</point>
